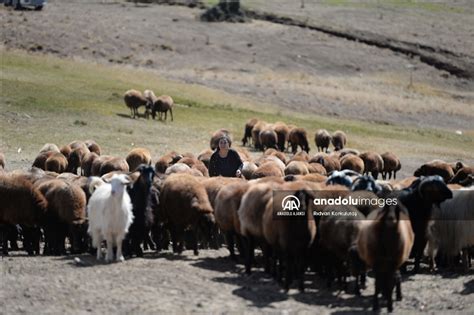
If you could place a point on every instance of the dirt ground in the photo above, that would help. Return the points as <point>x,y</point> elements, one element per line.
<point>294,68</point>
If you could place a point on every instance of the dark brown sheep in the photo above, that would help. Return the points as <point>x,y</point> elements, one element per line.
<point>97,163</point>
<point>163,104</point>
<point>391,165</point>
<point>194,163</point>
<point>436,167</point>
<point>65,150</point>
<point>384,244</point>
<point>40,160</point>
<point>214,142</point>
<point>93,146</point>
<point>297,168</point>
<point>338,140</point>
<point>329,162</point>
<point>75,158</point>
<point>373,163</point>
<point>114,164</point>
<point>301,156</point>
<point>316,168</point>
<point>49,147</point>
<point>138,156</point>
<point>185,205</point>
<point>352,162</point>
<point>248,130</point>
<point>298,137</point>
<point>268,138</point>
<point>322,139</point>
<point>283,132</point>
<point>87,162</point>
<point>259,126</point>
<point>248,169</point>
<point>134,99</point>
<point>56,163</point>
<point>78,144</point>
<point>462,174</point>
<point>166,160</point>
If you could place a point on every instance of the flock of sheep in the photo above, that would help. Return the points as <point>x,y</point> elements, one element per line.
<point>135,99</point>
<point>78,194</point>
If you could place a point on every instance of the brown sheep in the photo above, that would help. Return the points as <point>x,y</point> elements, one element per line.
<point>270,168</point>
<point>298,137</point>
<point>248,169</point>
<point>312,178</point>
<point>436,167</point>
<point>97,163</point>
<point>214,184</point>
<point>283,132</point>
<point>226,208</point>
<point>40,160</point>
<point>339,140</point>
<point>346,151</point>
<point>290,239</point>
<point>65,150</point>
<point>373,163</point>
<point>21,203</point>
<point>93,146</point>
<point>248,130</point>
<point>75,158</point>
<point>166,160</point>
<point>66,214</point>
<point>301,156</point>
<point>403,183</point>
<point>87,162</point>
<point>316,168</point>
<point>322,139</point>
<point>278,154</point>
<point>297,168</point>
<point>49,147</point>
<point>391,165</point>
<point>268,138</point>
<point>182,168</point>
<point>384,244</point>
<point>352,162</point>
<point>114,164</point>
<point>185,204</point>
<point>134,99</point>
<point>205,156</point>
<point>163,104</point>
<point>56,163</point>
<point>138,156</point>
<point>259,126</point>
<point>329,162</point>
<point>77,144</point>
<point>214,142</point>
<point>462,174</point>
<point>194,163</point>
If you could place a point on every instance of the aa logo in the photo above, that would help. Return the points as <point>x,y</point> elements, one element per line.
<point>290,203</point>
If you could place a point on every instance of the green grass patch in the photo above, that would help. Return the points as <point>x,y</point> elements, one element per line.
<point>47,99</point>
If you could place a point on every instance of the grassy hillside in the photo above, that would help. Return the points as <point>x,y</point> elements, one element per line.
<point>47,99</point>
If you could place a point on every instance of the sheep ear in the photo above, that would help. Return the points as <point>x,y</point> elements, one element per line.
<point>126,180</point>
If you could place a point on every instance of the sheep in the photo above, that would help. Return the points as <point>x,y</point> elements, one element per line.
<point>21,203</point>
<point>205,156</point>
<point>313,178</point>
<point>283,133</point>
<point>49,147</point>
<point>87,162</point>
<point>57,162</point>
<point>65,150</point>
<point>93,146</point>
<point>373,163</point>
<point>40,160</point>
<point>185,204</point>
<point>227,203</point>
<point>163,104</point>
<point>244,154</point>
<point>114,164</point>
<point>195,164</point>
<point>329,162</point>
<point>297,168</point>
<point>352,162</point>
<point>339,140</point>
<point>248,169</point>
<point>140,193</point>
<point>391,165</point>
<point>270,168</point>
<point>2,161</point>
<point>248,130</point>
<point>259,126</point>
<point>322,139</point>
<point>346,151</point>
<point>462,174</point>
<point>134,99</point>
<point>298,137</point>
<point>419,199</point>
<point>136,157</point>
<point>404,183</point>
<point>273,152</point>
<point>384,244</point>
<point>110,216</point>
<point>97,163</point>
<point>301,156</point>
<point>66,214</point>
<point>316,168</point>
<point>452,228</point>
<point>290,238</point>
<point>178,168</point>
<point>435,167</point>
<point>268,138</point>
<point>75,158</point>
<point>151,99</point>
<point>166,160</point>
<point>214,142</point>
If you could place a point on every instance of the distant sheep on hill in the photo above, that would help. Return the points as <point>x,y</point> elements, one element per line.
<point>134,99</point>
<point>248,130</point>
<point>163,104</point>
<point>339,140</point>
<point>322,138</point>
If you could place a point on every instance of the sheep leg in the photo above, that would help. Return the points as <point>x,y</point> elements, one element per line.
<point>171,113</point>
<point>229,236</point>
<point>250,244</point>
<point>267,253</point>
<point>97,242</point>
<point>110,248</point>
<point>289,272</point>
<point>375,302</point>
<point>300,269</point>
<point>398,285</point>
<point>4,236</point>
<point>119,240</point>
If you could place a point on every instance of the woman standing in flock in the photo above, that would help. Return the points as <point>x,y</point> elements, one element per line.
<point>225,161</point>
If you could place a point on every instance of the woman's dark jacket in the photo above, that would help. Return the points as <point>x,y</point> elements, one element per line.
<point>225,166</point>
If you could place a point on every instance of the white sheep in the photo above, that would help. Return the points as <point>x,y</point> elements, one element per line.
<point>452,228</point>
<point>110,215</point>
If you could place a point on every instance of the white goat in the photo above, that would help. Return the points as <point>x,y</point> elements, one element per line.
<point>110,215</point>
<point>452,228</point>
